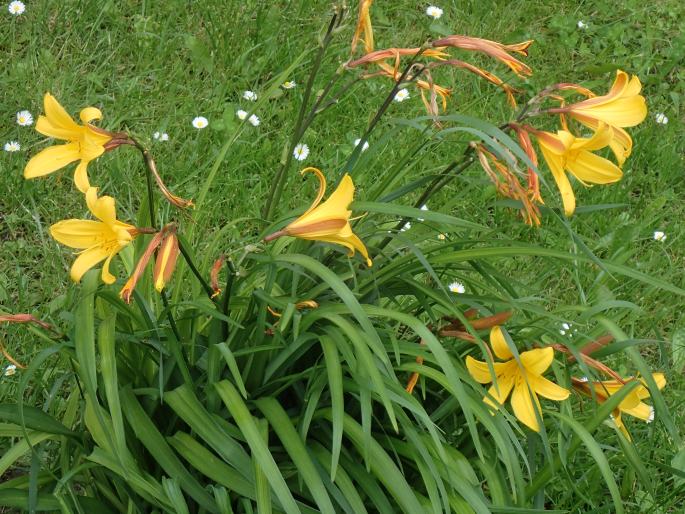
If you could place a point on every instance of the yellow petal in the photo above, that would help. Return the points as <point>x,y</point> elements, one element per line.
<point>499,344</point>
<point>480,371</point>
<point>78,233</point>
<point>51,159</point>
<point>47,128</point>
<point>556,166</point>
<point>58,116</point>
<point>350,241</point>
<point>641,411</point>
<point>622,112</point>
<point>600,139</point>
<point>537,361</point>
<point>620,425</point>
<point>500,389</point>
<point>525,404</point>
<point>81,176</point>
<point>334,207</point>
<point>89,114</point>
<point>107,277</point>
<point>92,144</point>
<point>86,260</point>
<point>102,208</point>
<point>547,388</point>
<point>593,169</point>
<point>322,188</point>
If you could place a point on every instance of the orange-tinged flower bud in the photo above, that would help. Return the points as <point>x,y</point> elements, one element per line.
<point>166,261</point>
<point>493,49</point>
<point>130,285</point>
<point>214,275</point>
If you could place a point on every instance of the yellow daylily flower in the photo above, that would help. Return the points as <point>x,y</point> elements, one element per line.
<point>524,381</point>
<point>565,152</point>
<point>631,404</point>
<point>328,221</point>
<point>99,240</point>
<point>623,106</point>
<point>85,142</point>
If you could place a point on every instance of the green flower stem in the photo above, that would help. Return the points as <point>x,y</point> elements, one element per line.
<point>279,181</point>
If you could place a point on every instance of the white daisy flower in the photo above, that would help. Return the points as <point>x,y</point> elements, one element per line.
<point>457,287</point>
<point>401,95</point>
<point>254,119</point>
<point>12,146</point>
<point>200,122</point>
<point>659,236</point>
<point>10,370</point>
<point>164,137</point>
<point>301,152</point>
<point>241,114</point>
<point>250,95</point>
<point>288,84</point>
<point>581,24</point>
<point>16,8</point>
<point>156,135</point>
<point>423,208</point>
<point>434,12</point>
<point>365,147</point>
<point>24,118</point>
<point>661,118</point>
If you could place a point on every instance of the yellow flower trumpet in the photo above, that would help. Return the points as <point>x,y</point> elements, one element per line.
<point>85,142</point>
<point>565,152</point>
<point>623,106</point>
<point>631,404</point>
<point>524,380</point>
<point>100,240</point>
<point>328,221</point>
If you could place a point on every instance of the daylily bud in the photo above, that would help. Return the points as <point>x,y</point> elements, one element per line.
<point>130,285</point>
<point>214,275</point>
<point>166,261</point>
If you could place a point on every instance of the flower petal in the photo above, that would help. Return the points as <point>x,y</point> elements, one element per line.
<point>593,169</point>
<point>480,371</point>
<point>89,114</point>
<point>500,389</point>
<point>58,116</point>
<point>81,176</point>
<point>86,260</point>
<point>641,411</point>
<point>78,233</point>
<point>537,361</point>
<point>51,159</point>
<point>499,344</point>
<point>547,388</point>
<point>556,166</point>
<point>522,401</point>
<point>102,208</point>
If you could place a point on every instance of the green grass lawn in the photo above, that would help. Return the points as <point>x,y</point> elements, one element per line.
<point>154,66</point>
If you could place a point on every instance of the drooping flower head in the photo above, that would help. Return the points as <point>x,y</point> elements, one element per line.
<point>632,404</point>
<point>85,142</point>
<point>565,152</point>
<point>524,380</point>
<point>328,221</point>
<point>99,240</point>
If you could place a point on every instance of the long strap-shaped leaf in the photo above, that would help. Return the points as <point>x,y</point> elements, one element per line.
<point>236,406</point>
